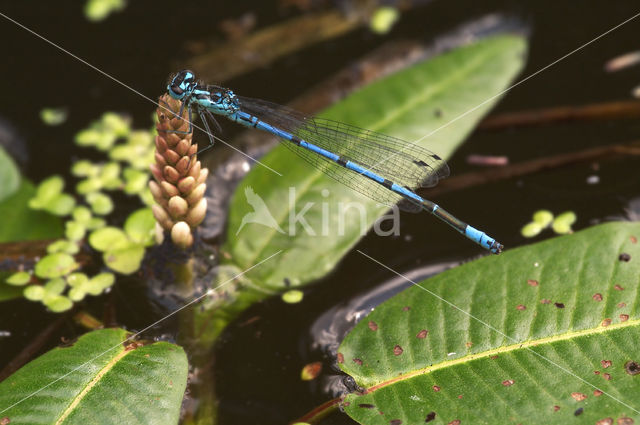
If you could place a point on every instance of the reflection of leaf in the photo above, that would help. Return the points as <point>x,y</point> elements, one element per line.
<point>99,379</point>
<point>410,104</point>
<point>570,300</point>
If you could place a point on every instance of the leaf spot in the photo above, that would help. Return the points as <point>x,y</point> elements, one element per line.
<point>532,282</point>
<point>508,382</point>
<point>545,301</point>
<point>633,239</point>
<point>454,422</point>
<point>606,322</point>
<point>395,422</point>
<point>556,408</point>
<point>559,305</point>
<point>373,325</point>
<point>5,420</point>
<point>606,376</point>
<point>436,388</point>
<point>597,296</point>
<point>406,308</point>
<point>624,317</point>
<point>618,288</point>
<point>578,396</point>
<point>357,361</point>
<point>578,411</point>
<point>624,257</point>
<point>622,305</point>
<point>397,350</point>
<point>605,363</point>
<point>367,406</point>
<point>340,358</point>
<point>597,393</point>
<point>632,368</point>
<point>422,334</point>
<point>625,421</point>
<point>521,307</point>
<point>431,416</point>
<point>605,421</point>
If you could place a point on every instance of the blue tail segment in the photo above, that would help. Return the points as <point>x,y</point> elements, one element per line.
<point>384,168</point>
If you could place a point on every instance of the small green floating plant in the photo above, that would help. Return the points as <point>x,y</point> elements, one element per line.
<point>543,219</point>
<point>56,280</point>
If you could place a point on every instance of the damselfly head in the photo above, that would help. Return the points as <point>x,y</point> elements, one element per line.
<point>182,84</point>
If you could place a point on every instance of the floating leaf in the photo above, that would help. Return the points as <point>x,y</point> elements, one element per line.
<point>55,265</point>
<point>60,205</point>
<point>562,224</point>
<point>9,175</point>
<point>74,231</point>
<point>85,168</point>
<point>543,217</point>
<point>136,180</point>
<point>55,286</point>
<point>100,203</point>
<point>53,116</point>
<point>519,350</point>
<point>81,214</point>
<point>125,261</point>
<point>108,238</point>
<point>77,279</point>
<point>532,229</point>
<point>383,19</point>
<point>63,245</point>
<point>89,185</point>
<point>140,226</point>
<point>103,280</point>
<point>57,303</point>
<point>19,278</point>
<point>46,191</point>
<point>292,296</point>
<point>34,293</point>
<point>110,380</point>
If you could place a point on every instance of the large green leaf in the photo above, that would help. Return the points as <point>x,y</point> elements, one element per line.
<point>23,223</point>
<point>100,379</point>
<point>409,104</point>
<point>554,332</point>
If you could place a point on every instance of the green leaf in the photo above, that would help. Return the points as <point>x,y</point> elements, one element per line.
<point>410,104</point>
<point>543,217</point>
<point>100,203</point>
<point>140,226</point>
<point>532,229</point>
<point>81,214</point>
<point>85,168</point>
<point>53,116</point>
<point>63,245</point>
<point>99,379</point>
<point>552,311</point>
<point>77,279</point>
<point>19,278</point>
<point>57,303</point>
<point>26,223</point>
<point>108,238</point>
<point>74,231</point>
<point>55,286</point>
<point>126,260</point>
<point>60,205</point>
<point>34,292</point>
<point>103,280</point>
<point>55,265</point>
<point>47,191</point>
<point>9,175</point>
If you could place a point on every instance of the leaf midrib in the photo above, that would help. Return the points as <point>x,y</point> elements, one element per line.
<point>567,336</point>
<point>91,385</point>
